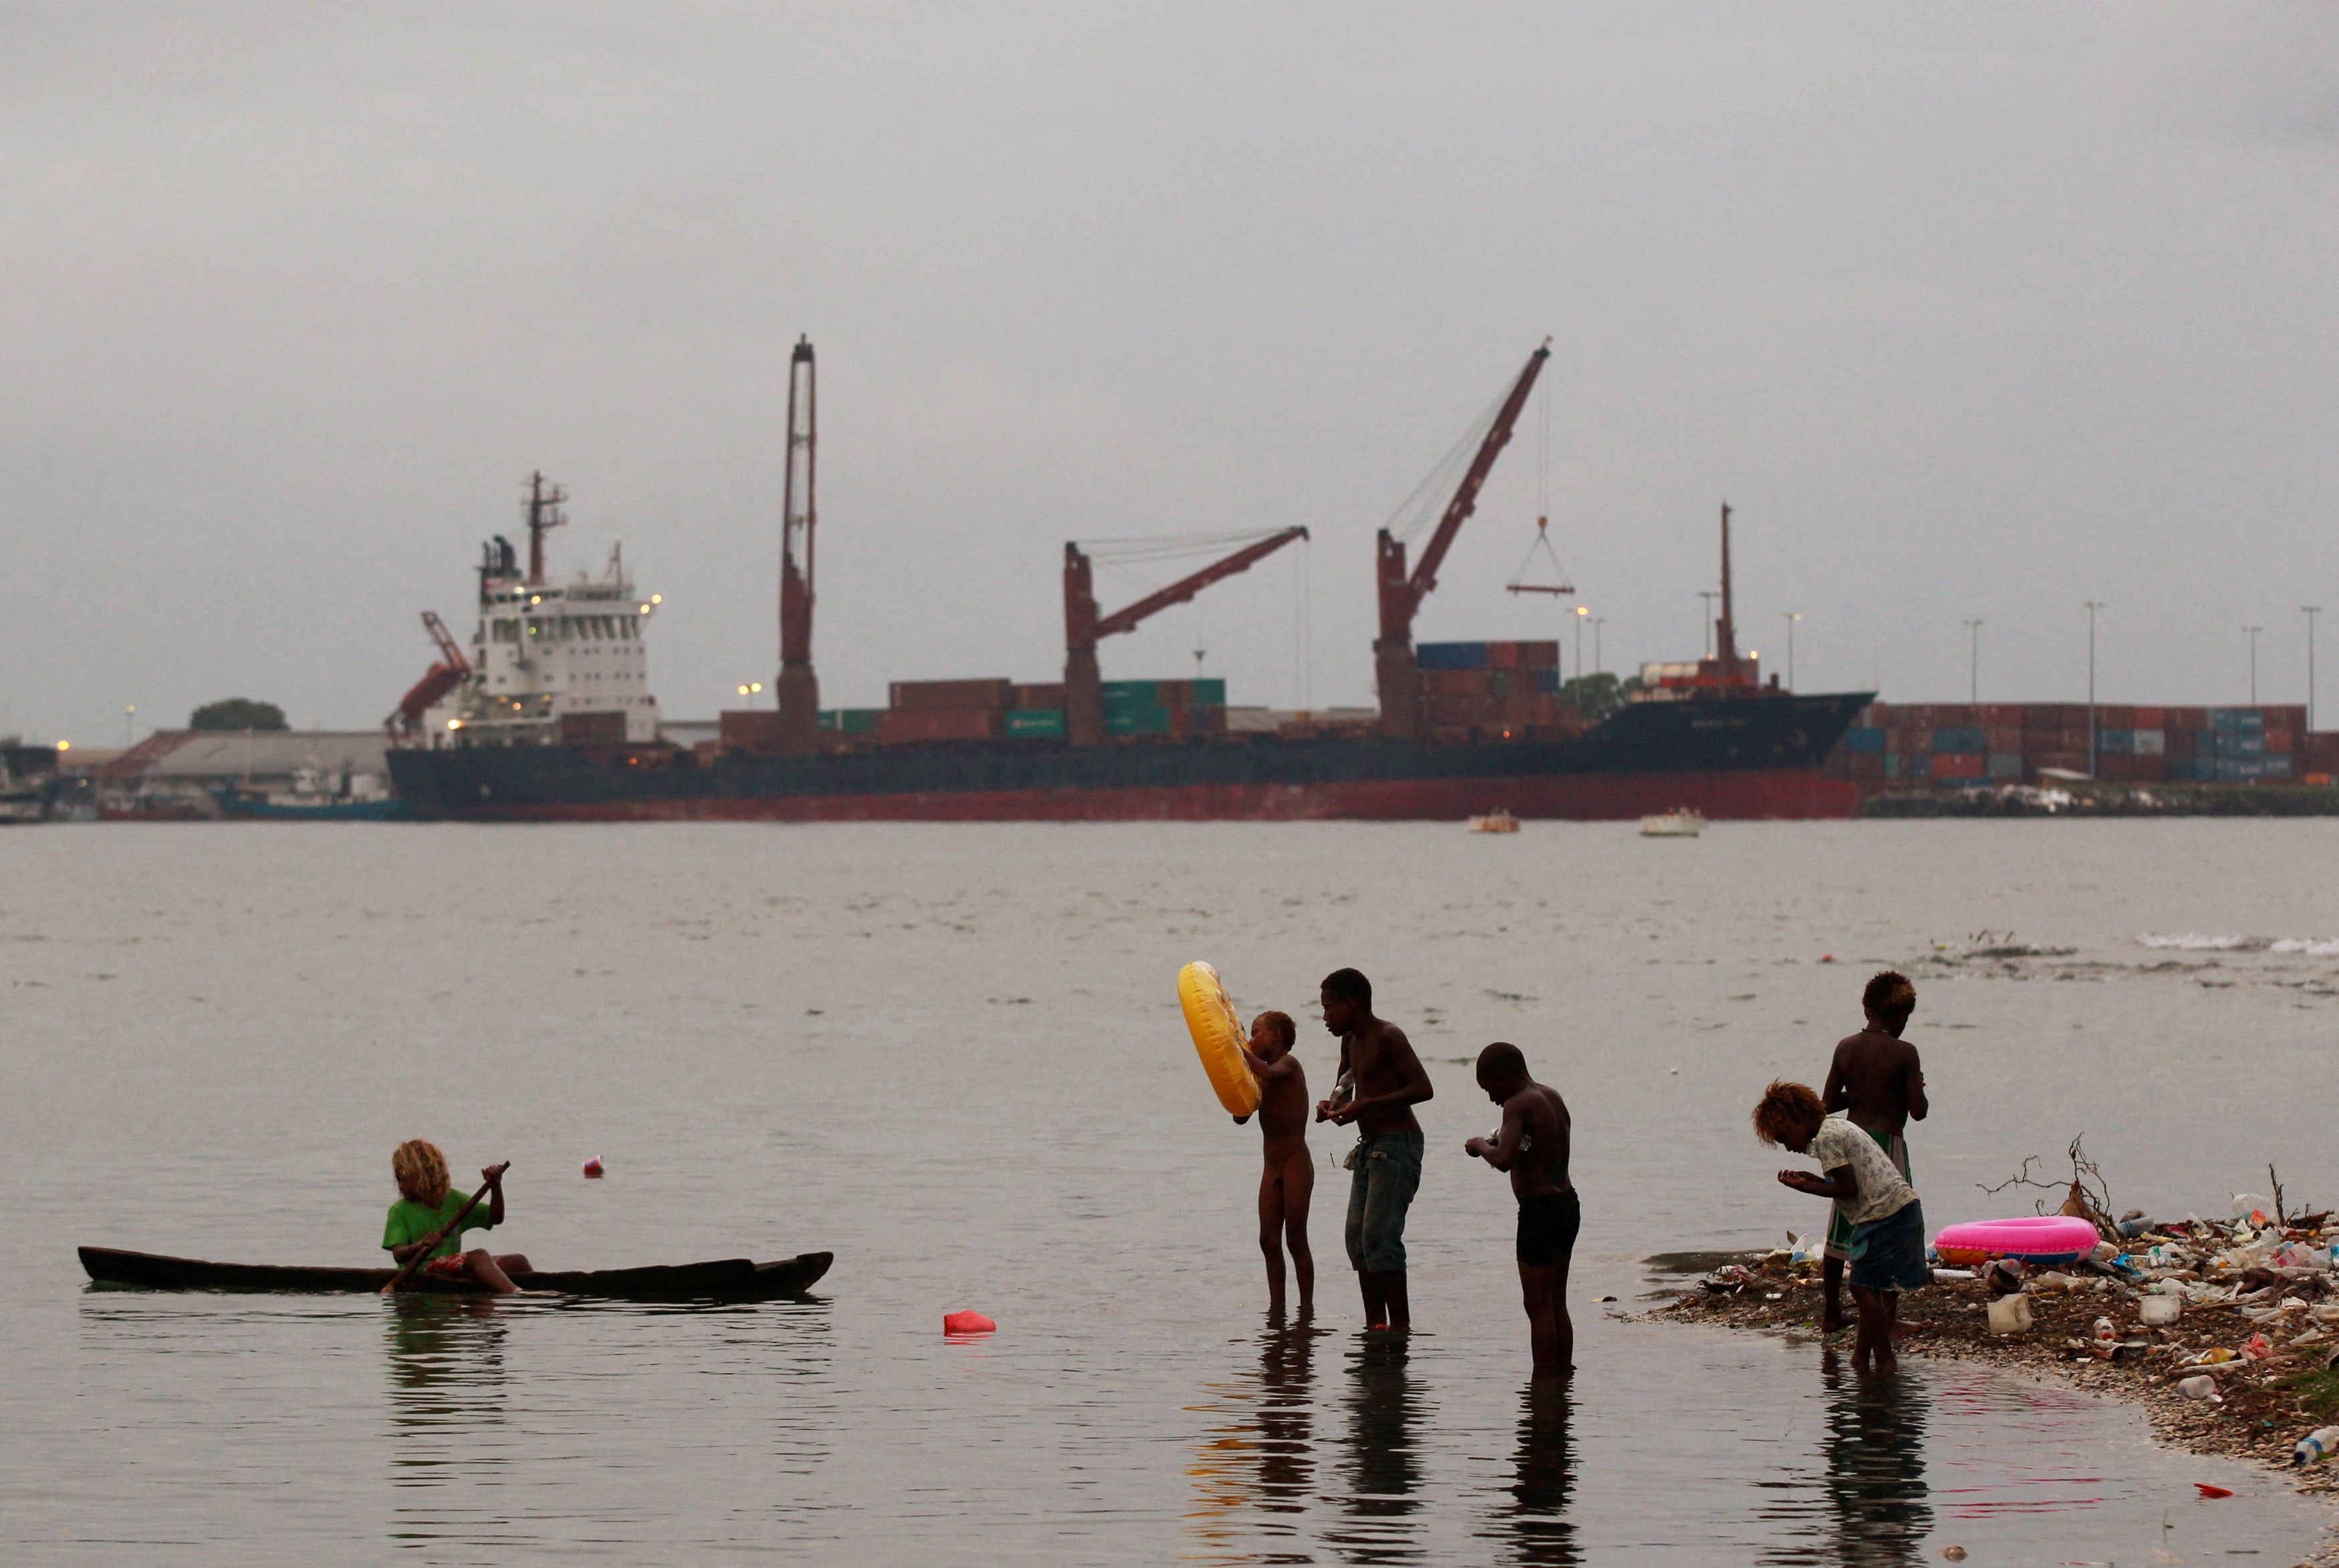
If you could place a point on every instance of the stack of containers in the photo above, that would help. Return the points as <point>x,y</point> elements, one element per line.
<point>850,721</point>
<point>1036,710</point>
<point>2235,744</point>
<point>969,710</point>
<point>1488,690</point>
<point>1173,710</point>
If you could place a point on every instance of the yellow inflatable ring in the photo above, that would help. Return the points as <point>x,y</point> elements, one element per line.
<point>1218,1037</point>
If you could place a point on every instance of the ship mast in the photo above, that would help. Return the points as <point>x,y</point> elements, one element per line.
<point>798,687</point>
<point>544,515</point>
<point>1725,639</point>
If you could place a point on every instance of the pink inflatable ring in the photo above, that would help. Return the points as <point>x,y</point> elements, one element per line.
<point>2042,1238</point>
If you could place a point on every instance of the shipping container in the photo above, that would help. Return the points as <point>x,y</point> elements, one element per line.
<point>2002,738</point>
<point>2241,744</point>
<point>2151,718</point>
<point>2004,767</point>
<point>2281,741</point>
<point>749,727</point>
<point>1035,724</point>
<point>2231,720</point>
<point>1893,764</point>
<point>593,729</point>
<point>1863,740</point>
<point>1957,741</point>
<point>1960,764</point>
<point>1867,766</point>
<point>1049,694</point>
<point>1538,656</point>
<point>2150,742</point>
<point>2278,767</point>
<point>1547,680</point>
<point>2240,770</point>
<point>1450,655</point>
<point>2118,741</point>
<point>899,726</point>
<point>953,696</point>
<point>1440,683</point>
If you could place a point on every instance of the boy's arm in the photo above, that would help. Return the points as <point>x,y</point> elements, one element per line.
<point>1916,1088</point>
<point>1837,1095</point>
<point>1837,1183</point>
<point>1269,1071</point>
<point>494,1175</point>
<point>1503,1150</point>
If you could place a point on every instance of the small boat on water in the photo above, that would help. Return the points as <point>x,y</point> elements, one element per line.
<point>723,1279</point>
<point>1499,820</point>
<point>1681,823</point>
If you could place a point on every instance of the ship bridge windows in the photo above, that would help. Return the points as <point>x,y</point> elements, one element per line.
<point>508,631</point>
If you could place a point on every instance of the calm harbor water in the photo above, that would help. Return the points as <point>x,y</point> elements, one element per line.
<point>953,1055</point>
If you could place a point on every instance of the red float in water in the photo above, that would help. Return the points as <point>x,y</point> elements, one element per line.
<point>593,1166</point>
<point>967,1323</point>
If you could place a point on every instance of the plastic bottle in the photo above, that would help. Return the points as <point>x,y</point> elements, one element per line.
<point>2315,1446</point>
<point>2202,1387</point>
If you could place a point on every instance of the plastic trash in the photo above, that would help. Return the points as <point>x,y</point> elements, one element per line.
<point>1805,1248</point>
<point>2105,1333</point>
<point>2004,1276</point>
<point>967,1323</point>
<point>2250,1206</point>
<point>2315,1446</point>
<point>2159,1311</point>
<point>593,1166</point>
<point>2134,1227</point>
<point>2257,1348</point>
<point>2201,1385</point>
<point>1952,1276</point>
<point>2208,1490</point>
<point>2009,1314</point>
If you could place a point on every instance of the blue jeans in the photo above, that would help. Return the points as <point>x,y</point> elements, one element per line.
<point>1388,1174</point>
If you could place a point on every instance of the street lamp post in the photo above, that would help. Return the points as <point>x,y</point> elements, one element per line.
<point>1973,663</point>
<point>1581,614</point>
<point>1600,663</point>
<point>129,713</point>
<point>2310,611</point>
<point>2093,605</point>
<point>1791,617</point>
<point>2252,633</point>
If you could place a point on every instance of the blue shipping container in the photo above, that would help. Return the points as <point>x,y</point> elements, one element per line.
<point>1450,655</point>
<point>2116,740</point>
<point>2237,743</point>
<point>2277,765</point>
<point>1957,742</point>
<point>2237,718</point>
<point>1863,740</point>
<point>2240,770</point>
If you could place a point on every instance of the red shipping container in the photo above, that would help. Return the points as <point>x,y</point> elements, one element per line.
<point>2003,738</point>
<point>960,696</point>
<point>1456,683</point>
<point>1866,765</point>
<point>2150,719</point>
<point>1960,765</point>
<point>749,727</point>
<point>1538,655</point>
<point>1049,696</point>
<point>897,726</point>
<point>2279,743</point>
<point>1502,656</point>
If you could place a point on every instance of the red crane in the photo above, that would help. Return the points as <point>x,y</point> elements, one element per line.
<point>405,721</point>
<point>1084,627</point>
<point>798,687</point>
<point>1401,593</point>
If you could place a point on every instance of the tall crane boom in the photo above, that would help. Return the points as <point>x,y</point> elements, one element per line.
<point>1401,592</point>
<point>1084,627</point>
<point>405,721</point>
<point>798,687</point>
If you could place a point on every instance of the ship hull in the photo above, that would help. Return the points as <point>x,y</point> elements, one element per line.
<point>1748,758</point>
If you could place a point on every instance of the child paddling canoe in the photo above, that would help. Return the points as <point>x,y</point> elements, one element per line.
<point>423,1219</point>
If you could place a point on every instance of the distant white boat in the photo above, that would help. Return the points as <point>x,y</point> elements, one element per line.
<point>1499,820</point>
<point>1681,823</point>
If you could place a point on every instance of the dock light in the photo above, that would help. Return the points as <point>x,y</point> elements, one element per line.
<point>454,723</point>
<point>535,598</point>
<point>743,691</point>
<point>658,598</point>
<point>65,746</point>
<point>646,609</point>
<point>754,686</point>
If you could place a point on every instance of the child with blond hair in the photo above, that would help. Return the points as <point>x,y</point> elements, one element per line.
<point>423,1219</point>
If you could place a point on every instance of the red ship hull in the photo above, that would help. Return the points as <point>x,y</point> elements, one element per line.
<point>1774,794</point>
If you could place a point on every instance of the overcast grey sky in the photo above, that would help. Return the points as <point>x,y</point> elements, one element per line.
<point>1967,310</point>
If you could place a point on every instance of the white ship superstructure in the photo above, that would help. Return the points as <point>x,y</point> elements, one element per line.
<point>551,663</point>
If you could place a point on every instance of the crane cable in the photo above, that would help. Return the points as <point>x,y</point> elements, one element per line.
<point>1429,498</point>
<point>1564,582</point>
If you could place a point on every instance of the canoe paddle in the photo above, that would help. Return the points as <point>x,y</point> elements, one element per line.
<point>454,1226</point>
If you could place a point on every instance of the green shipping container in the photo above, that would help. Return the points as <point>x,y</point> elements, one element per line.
<point>1035,724</point>
<point>1130,721</point>
<point>858,721</point>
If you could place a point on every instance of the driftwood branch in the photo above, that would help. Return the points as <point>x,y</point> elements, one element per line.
<point>2086,1196</point>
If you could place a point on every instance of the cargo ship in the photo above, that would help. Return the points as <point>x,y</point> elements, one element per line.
<point>547,716</point>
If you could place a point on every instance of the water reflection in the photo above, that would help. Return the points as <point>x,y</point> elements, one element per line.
<point>447,1389</point>
<point>1876,1501</point>
<point>1535,1523</point>
<point>1379,1519</point>
<point>1261,1453</point>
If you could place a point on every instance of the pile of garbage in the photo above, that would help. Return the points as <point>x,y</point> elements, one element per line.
<point>2234,1324</point>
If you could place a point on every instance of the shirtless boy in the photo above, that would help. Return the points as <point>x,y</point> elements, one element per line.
<point>1388,1080</point>
<point>1532,1145</point>
<point>1289,1179</point>
<point>1876,1082</point>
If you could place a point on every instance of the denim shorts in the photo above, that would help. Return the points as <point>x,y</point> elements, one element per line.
<point>1889,1254</point>
<point>1387,1173</point>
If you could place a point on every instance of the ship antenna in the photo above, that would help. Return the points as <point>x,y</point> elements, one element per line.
<point>544,515</point>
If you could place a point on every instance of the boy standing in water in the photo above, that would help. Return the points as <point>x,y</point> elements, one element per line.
<point>1888,1230</point>
<point>1532,1144</point>
<point>1876,1084</point>
<point>1289,1179</point>
<point>1389,1083</point>
<point>423,1219</point>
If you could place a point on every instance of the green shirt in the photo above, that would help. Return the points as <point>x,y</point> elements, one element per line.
<point>409,1222</point>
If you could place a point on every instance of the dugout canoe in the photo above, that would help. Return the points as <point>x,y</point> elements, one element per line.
<point>722,1279</point>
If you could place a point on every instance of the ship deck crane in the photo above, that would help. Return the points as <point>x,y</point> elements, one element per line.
<point>1084,627</point>
<point>1401,592</point>
<point>452,670</point>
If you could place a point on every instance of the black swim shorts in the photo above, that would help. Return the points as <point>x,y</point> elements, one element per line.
<point>1547,1226</point>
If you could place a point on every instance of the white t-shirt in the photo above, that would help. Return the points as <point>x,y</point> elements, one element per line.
<point>1883,1192</point>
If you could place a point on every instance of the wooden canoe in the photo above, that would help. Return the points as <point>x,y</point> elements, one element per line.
<point>723,1279</point>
